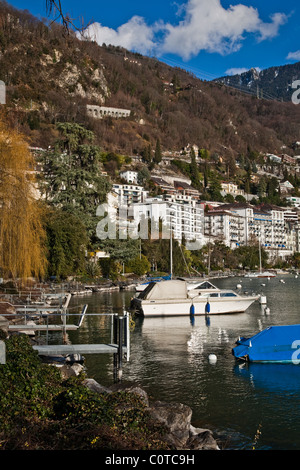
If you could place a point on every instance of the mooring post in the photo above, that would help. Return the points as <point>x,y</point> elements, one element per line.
<point>2,352</point>
<point>115,341</point>
<point>120,347</point>
<point>127,335</point>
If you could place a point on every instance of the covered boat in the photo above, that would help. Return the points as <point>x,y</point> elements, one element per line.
<point>274,344</point>
<point>167,298</point>
<point>142,286</point>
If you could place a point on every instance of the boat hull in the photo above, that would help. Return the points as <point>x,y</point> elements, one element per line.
<point>182,307</point>
<point>276,344</point>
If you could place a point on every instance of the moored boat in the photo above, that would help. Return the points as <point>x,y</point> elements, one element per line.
<point>265,274</point>
<point>168,298</point>
<point>277,344</point>
<point>142,286</point>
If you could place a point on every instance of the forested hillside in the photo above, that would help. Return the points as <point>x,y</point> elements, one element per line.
<point>51,76</point>
<point>272,83</point>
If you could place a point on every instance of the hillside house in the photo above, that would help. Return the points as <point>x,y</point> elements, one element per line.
<point>129,176</point>
<point>286,187</point>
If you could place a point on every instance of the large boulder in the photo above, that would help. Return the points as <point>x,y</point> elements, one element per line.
<point>201,439</point>
<point>95,387</point>
<point>131,388</point>
<point>177,419</point>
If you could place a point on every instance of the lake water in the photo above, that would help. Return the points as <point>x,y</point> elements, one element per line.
<point>169,359</point>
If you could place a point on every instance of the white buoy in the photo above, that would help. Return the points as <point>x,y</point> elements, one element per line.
<point>212,358</point>
<point>267,311</point>
<point>263,299</point>
<point>239,286</point>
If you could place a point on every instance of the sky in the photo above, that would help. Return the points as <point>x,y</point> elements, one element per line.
<point>210,38</point>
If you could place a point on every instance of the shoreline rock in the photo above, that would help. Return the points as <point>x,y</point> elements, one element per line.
<point>176,417</point>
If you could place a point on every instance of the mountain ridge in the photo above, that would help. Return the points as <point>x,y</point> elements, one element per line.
<point>271,83</point>
<point>52,77</point>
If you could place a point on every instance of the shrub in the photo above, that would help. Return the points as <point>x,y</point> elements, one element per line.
<point>38,410</point>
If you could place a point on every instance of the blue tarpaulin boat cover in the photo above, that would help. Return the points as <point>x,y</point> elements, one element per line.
<point>274,344</point>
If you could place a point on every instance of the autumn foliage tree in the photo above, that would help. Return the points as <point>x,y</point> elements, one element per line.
<point>22,236</point>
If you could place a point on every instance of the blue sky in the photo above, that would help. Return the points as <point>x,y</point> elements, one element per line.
<point>210,38</point>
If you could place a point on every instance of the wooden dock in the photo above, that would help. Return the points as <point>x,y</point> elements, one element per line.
<point>65,349</point>
<point>119,347</point>
<point>33,327</point>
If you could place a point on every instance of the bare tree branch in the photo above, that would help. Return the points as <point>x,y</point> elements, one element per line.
<point>55,7</point>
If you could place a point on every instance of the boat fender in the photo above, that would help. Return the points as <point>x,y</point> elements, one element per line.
<point>192,309</point>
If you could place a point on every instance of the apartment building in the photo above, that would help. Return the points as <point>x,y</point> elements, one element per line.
<point>225,226</point>
<point>266,223</point>
<point>185,220</point>
<point>130,193</point>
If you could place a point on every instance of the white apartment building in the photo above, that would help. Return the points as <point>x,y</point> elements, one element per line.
<point>185,220</point>
<point>265,224</point>
<point>225,226</point>
<point>130,193</point>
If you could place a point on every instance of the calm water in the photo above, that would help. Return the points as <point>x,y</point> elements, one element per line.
<point>169,358</point>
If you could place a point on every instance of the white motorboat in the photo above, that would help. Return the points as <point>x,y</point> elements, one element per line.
<point>256,274</point>
<point>167,298</point>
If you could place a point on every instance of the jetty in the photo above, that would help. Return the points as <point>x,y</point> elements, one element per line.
<point>37,317</point>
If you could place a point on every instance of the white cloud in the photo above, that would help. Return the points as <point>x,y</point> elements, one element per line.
<point>134,35</point>
<point>294,55</point>
<point>210,27</point>
<point>206,25</point>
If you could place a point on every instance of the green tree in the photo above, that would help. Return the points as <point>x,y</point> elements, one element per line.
<point>72,178</point>
<point>157,153</point>
<point>139,265</point>
<point>215,188</point>
<point>67,240</point>
<point>147,154</point>
<point>195,175</point>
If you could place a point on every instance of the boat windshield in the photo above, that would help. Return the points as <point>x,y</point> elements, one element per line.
<point>205,285</point>
<point>228,294</point>
<point>143,294</point>
<point>222,294</point>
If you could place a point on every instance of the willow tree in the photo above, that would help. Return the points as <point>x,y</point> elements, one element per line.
<point>22,235</point>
